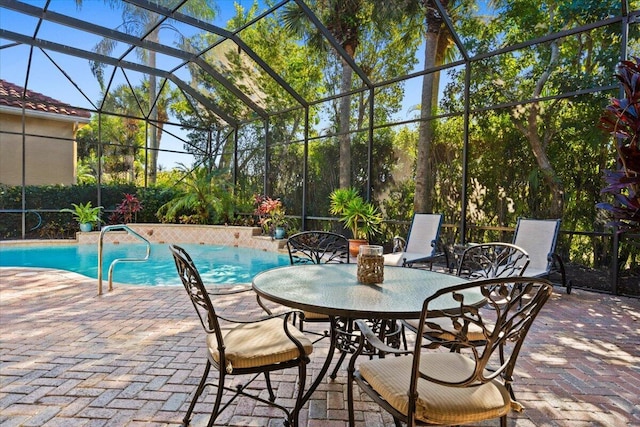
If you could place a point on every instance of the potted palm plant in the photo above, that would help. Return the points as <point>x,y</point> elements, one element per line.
<point>358,215</point>
<point>86,215</point>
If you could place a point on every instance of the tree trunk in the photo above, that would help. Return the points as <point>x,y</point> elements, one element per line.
<point>549,175</point>
<point>539,145</point>
<point>422,202</point>
<point>344,137</point>
<point>154,144</point>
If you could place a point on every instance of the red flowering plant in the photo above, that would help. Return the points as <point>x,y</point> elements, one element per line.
<point>126,210</point>
<point>271,213</point>
<point>622,120</point>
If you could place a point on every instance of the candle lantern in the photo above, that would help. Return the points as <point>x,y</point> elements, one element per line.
<point>370,264</point>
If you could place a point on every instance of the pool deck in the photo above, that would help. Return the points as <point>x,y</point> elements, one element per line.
<point>133,356</point>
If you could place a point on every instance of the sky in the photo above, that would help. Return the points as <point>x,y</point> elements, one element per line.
<point>69,79</point>
<point>14,60</point>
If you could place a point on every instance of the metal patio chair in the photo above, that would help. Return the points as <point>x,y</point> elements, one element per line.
<point>422,245</point>
<point>538,237</point>
<point>315,247</point>
<point>242,346</point>
<point>482,261</point>
<point>323,247</point>
<point>320,247</point>
<point>494,259</point>
<point>424,387</point>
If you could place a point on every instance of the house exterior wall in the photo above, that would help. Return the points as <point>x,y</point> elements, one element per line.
<point>51,150</point>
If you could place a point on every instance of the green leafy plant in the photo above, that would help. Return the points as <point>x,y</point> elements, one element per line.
<point>622,120</point>
<point>204,196</point>
<point>358,215</point>
<point>85,213</point>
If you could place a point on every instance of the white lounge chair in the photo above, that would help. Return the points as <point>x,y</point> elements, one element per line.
<point>422,244</point>
<point>538,237</point>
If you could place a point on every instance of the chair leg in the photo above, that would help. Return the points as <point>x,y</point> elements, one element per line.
<point>350,383</point>
<point>557,260</point>
<point>404,336</point>
<point>334,374</point>
<point>199,390</point>
<point>267,378</point>
<point>302,379</point>
<point>219,393</point>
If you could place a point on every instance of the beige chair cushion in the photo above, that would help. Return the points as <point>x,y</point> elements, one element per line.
<point>311,316</point>
<point>438,404</point>
<point>258,344</point>
<point>474,332</point>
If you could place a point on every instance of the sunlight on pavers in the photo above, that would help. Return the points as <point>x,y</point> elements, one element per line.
<point>134,356</point>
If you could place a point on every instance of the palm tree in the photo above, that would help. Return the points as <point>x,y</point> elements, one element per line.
<point>140,21</point>
<point>424,16</point>
<point>343,18</point>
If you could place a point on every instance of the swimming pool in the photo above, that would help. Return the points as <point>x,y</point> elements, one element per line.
<point>216,264</point>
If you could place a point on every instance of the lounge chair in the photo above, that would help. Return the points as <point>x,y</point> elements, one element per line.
<point>538,237</point>
<point>422,246</point>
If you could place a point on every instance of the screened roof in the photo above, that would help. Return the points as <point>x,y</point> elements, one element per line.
<point>206,52</point>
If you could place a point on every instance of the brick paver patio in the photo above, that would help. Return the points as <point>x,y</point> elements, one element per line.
<point>132,357</point>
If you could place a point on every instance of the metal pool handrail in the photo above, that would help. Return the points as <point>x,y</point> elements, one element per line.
<point>115,261</point>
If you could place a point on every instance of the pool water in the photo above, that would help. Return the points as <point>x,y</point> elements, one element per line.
<point>216,264</point>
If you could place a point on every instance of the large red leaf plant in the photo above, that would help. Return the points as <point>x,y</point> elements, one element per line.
<point>621,119</point>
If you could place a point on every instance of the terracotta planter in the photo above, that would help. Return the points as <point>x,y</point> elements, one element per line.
<point>354,246</point>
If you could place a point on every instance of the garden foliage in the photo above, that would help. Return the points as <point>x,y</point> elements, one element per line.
<point>622,120</point>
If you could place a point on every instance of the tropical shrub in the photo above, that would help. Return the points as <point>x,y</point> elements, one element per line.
<point>622,120</point>
<point>127,210</point>
<point>361,217</point>
<point>204,197</point>
<point>271,214</point>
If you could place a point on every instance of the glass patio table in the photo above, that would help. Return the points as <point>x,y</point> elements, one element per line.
<point>333,289</point>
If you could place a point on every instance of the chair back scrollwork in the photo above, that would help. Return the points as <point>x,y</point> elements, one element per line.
<point>511,305</point>
<point>196,290</point>
<point>488,260</point>
<point>318,247</point>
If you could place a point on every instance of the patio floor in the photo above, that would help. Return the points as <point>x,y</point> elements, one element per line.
<point>132,357</point>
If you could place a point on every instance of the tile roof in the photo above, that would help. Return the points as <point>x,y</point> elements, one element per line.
<point>11,96</point>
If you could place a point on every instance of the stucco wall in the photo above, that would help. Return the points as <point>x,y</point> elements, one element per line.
<point>50,158</point>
